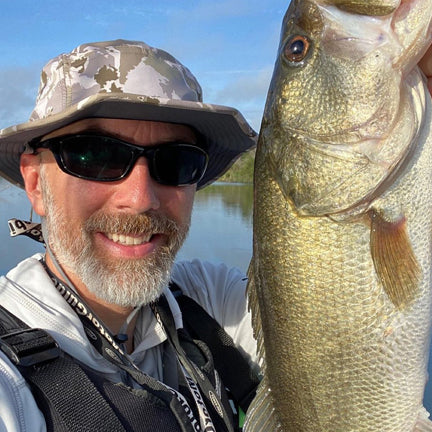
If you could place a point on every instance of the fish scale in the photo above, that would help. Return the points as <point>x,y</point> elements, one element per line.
<point>340,280</point>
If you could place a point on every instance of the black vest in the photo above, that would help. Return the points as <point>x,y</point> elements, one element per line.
<point>74,398</point>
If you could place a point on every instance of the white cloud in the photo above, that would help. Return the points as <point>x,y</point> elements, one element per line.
<point>248,87</point>
<point>245,90</point>
<point>18,88</point>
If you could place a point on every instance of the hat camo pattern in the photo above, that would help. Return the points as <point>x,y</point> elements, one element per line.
<point>127,80</point>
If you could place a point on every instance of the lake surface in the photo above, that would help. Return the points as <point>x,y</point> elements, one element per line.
<point>221,228</point>
<point>221,231</point>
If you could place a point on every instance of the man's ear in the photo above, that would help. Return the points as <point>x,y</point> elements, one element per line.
<point>30,167</point>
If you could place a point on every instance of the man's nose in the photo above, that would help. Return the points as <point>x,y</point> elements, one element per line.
<point>138,191</point>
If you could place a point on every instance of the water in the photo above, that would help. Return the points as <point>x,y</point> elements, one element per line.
<point>221,228</point>
<point>221,231</point>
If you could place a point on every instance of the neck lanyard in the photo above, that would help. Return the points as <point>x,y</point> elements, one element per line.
<point>109,347</point>
<point>197,381</point>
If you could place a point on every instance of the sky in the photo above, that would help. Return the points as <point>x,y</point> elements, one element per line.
<point>229,45</point>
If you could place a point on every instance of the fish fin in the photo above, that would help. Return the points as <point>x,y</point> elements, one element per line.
<point>423,424</point>
<point>261,415</point>
<point>254,308</point>
<point>394,259</point>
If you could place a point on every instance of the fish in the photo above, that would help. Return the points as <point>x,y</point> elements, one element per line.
<point>340,278</point>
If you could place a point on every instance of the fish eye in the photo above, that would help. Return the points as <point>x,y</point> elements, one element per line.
<point>296,48</point>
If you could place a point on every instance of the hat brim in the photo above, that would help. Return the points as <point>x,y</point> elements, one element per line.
<point>226,132</point>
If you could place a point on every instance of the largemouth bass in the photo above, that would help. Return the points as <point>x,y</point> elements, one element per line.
<point>340,280</point>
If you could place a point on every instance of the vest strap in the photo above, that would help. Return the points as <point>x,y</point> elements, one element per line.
<point>235,371</point>
<point>61,385</point>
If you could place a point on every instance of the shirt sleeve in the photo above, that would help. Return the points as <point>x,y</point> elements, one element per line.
<point>18,409</point>
<point>221,291</point>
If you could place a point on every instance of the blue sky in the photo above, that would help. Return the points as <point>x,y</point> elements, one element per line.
<point>230,45</point>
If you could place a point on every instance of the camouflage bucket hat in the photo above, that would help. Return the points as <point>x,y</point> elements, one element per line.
<point>126,80</point>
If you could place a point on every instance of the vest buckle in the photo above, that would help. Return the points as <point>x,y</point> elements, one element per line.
<point>29,347</point>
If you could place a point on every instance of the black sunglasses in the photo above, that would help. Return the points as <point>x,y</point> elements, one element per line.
<point>105,159</point>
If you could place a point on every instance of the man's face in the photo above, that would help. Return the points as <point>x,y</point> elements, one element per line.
<point>115,240</point>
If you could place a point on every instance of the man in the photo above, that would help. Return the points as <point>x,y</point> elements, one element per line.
<point>111,158</point>
<point>116,147</point>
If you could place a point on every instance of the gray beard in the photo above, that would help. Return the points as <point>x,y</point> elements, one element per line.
<point>124,282</point>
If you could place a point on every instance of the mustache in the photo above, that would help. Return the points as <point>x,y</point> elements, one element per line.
<point>148,223</point>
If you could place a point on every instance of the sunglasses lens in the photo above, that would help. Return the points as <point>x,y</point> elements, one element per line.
<point>95,157</point>
<point>179,164</point>
<point>102,158</point>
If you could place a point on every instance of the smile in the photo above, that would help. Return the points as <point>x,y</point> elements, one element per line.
<point>128,240</point>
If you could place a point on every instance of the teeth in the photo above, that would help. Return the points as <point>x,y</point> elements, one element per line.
<point>128,240</point>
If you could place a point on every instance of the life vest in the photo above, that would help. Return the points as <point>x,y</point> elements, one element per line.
<point>72,397</point>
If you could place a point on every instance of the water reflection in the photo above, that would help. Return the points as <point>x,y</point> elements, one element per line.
<point>237,198</point>
<point>221,228</point>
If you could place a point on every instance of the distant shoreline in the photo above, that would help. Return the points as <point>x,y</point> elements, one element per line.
<point>242,170</point>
